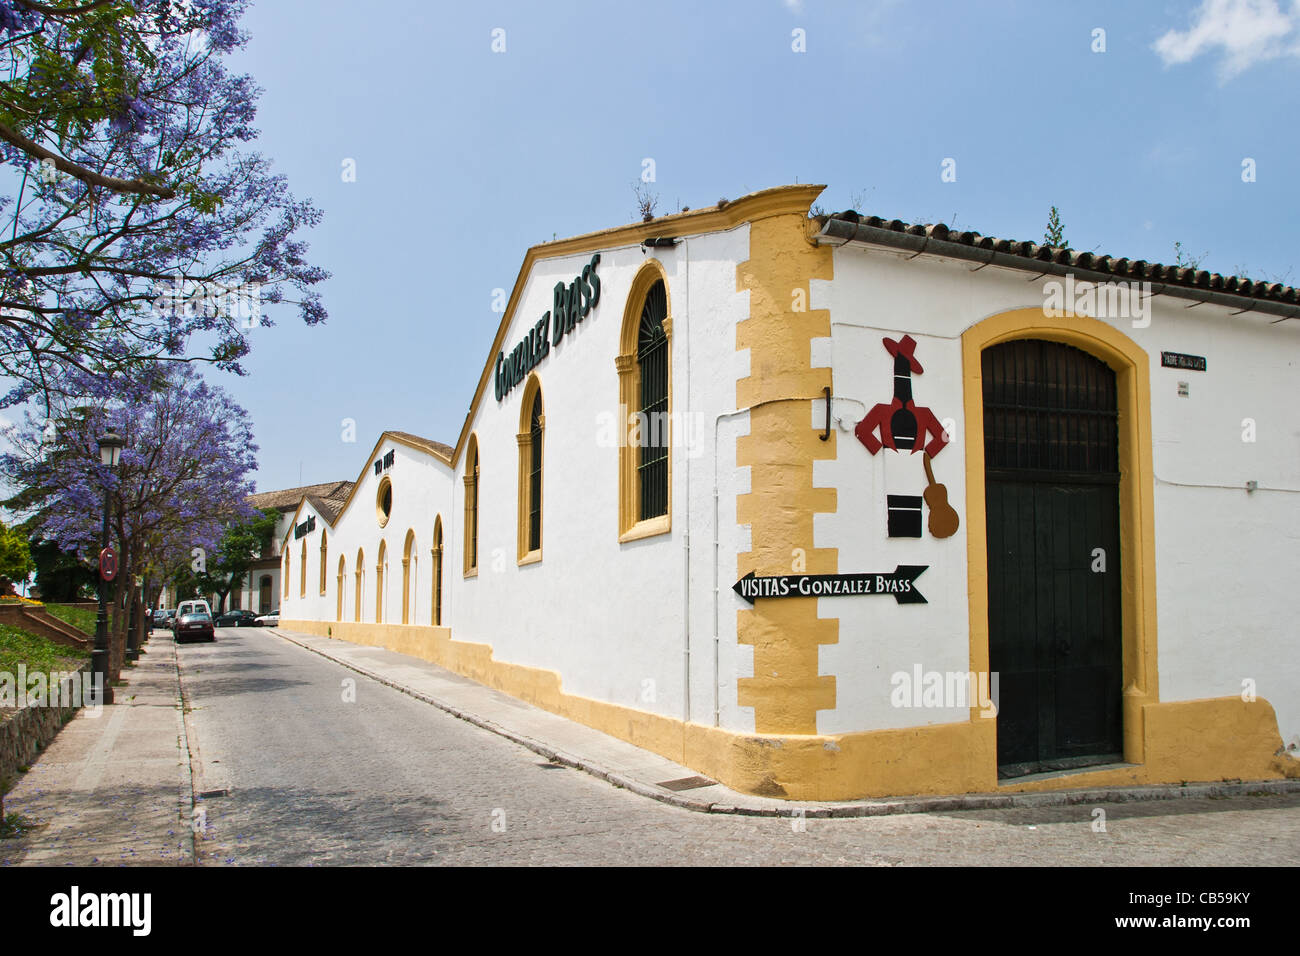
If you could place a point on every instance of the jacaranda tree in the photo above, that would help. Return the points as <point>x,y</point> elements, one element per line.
<point>135,223</point>
<point>184,473</point>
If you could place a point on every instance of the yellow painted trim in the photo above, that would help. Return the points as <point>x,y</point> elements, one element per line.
<point>435,608</point>
<point>302,571</point>
<point>788,687</point>
<point>385,483</point>
<point>524,439</point>
<point>936,759</point>
<point>380,562</point>
<point>324,558</point>
<point>343,573</point>
<point>473,458</point>
<point>408,546</point>
<point>1136,494</point>
<point>368,468</point>
<point>360,573</point>
<point>631,526</point>
<point>781,200</point>
<point>648,528</point>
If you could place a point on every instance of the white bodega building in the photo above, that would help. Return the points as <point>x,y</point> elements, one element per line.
<point>832,507</point>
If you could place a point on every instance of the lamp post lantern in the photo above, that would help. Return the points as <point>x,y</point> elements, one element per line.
<point>110,452</point>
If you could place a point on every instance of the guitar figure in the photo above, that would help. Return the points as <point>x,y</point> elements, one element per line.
<point>943,521</point>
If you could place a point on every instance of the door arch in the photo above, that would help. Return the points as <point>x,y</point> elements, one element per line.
<point>1136,526</point>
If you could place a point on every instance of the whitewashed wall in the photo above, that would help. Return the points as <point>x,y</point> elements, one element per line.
<point>609,617</point>
<point>1227,562</point>
<point>421,490</point>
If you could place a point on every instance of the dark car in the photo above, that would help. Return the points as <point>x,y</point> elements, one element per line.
<point>163,618</point>
<point>241,617</point>
<point>195,626</point>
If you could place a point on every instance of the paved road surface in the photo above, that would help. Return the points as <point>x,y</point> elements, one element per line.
<point>326,767</point>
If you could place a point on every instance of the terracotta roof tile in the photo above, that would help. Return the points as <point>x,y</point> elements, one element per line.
<point>288,498</point>
<point>1092,262</point>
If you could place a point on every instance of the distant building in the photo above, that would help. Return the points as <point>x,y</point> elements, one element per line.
<point>261,588</point>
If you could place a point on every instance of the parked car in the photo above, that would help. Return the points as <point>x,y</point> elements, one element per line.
<point>190,607</point>
<point>240,617</point>
<point>162,618</point>
<point>269,620</point>
<point>195,626</point>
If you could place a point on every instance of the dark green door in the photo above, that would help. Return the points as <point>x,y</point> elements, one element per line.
<point>1052,499</point>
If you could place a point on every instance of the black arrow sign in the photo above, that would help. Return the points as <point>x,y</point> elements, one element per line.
<point>901,584</point>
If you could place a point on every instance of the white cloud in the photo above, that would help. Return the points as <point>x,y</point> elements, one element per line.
<point>1242,32</point>
<point>794,6</point>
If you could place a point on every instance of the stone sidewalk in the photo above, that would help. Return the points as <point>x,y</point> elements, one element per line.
<point>622,764</point>
<point>113,789</point>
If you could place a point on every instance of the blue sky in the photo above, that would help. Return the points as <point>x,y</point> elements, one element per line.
<point>465,157</point>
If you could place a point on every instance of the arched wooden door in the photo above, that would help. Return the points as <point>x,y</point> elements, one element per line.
<point>1051,458</point>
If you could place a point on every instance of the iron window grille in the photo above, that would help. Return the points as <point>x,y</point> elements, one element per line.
<point>535,477</point>
<point>652,357</point>
<point>1049,409</point>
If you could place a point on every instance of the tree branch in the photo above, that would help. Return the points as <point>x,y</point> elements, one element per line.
<point>32,148</point>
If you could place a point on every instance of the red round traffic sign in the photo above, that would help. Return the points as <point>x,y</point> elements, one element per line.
<point>108,564</point>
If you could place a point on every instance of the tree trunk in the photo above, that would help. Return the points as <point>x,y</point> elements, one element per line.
<point>117,627</point>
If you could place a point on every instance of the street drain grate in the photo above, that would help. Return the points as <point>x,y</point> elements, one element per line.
<point>687,783</point>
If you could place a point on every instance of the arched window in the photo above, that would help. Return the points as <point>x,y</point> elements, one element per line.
<point>531,423</point>
<point>285,574</point>
<point>343,570</point>
<point>302,570</point>
<point>384,501</point>
<point>644,367</point>
<point>381,566</point>
<point>437,571</point>
<point>324,556</point>
<point>471,507</point>
<point>361,581</point>
<point>409,556</point>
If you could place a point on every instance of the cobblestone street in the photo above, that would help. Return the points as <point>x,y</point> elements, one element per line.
<point>315,779</point>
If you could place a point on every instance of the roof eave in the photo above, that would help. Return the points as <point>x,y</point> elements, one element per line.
<point>840,232</point>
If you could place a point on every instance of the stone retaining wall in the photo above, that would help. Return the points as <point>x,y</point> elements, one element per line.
<point>25,731</point>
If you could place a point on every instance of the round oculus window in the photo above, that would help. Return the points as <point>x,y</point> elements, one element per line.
<point>384,502</point>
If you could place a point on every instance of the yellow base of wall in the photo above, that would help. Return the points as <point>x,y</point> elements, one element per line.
<point>1222,738</point>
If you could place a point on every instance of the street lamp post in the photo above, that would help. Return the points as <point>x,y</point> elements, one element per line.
<point>110,451</point>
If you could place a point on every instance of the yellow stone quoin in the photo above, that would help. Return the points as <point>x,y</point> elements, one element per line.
<point>786,690</point>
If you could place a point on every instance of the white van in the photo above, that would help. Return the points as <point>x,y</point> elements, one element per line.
<point>190,607</point>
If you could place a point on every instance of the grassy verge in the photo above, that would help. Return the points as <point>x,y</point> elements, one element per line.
<point>22,647</point>
<point>82,618</point>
